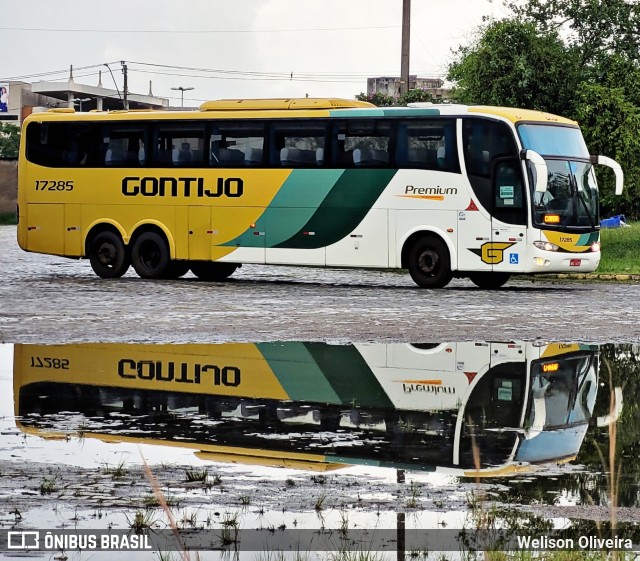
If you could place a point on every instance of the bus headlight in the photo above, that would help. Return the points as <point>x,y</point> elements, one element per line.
<point>546,246</point>
<point>595,246</point>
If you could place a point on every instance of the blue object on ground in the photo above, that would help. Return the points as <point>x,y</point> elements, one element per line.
<point>613,222</point>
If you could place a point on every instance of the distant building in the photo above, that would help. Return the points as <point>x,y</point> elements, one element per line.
<point>390,85</point>
<point>25,98</point>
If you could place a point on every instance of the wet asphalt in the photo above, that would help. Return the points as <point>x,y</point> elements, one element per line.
<point>47,299</point>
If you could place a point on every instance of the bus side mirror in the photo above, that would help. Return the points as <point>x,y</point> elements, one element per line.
<point>537,161</point>
<point>615,166</point>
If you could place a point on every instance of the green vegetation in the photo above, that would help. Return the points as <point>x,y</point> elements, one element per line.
<point>8,218</point>
<point>9,140</point>
<point>383,100</point>
<point>576,59</point>
<point>47,486</point>
<point>620,247</point>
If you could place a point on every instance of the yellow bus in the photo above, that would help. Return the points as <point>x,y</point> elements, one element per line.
<point>464,408</point>
<point>441,190</point>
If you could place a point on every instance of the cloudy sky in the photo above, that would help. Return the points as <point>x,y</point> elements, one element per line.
<point>241,48</point>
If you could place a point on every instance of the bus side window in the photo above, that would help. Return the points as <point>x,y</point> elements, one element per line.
<point>298,144</point>
<point>122,145</point>
<point>235,145</point>
<point>361,143</point>
<point>483,142</point>
<point>427,144</point>
<point>180,145</point>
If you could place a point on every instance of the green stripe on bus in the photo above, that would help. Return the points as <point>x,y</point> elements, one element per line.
<point>349,375</point>
<point>386,112</point>
<point>298,373</point>
<point>343,209</point>
<point>297,201</point>
<point>588,239</point>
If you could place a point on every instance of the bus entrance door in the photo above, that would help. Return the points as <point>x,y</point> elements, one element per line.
<point>509,219</point>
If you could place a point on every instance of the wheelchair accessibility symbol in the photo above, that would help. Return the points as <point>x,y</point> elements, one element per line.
<point>513,258</point>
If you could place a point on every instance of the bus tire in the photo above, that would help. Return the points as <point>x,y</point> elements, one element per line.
<point>176,269</point>
<point>429,263</point>
<point>150,255</point>
<point>212,270</point>
<point>108,255</point>
<point>488,280</point>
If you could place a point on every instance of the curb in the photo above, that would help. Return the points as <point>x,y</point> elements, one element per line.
<point>596,276</point>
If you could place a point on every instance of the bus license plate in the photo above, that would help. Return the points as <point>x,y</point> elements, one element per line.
<point>575,262</point>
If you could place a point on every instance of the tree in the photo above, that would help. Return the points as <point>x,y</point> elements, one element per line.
<point>384,100</point>
<point>512,63</point>
<point>9,140</point>
<point>596,28</point>
<point>576,58</point>
<point>611,126</point>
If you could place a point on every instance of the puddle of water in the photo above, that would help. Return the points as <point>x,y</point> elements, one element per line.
<point>310,435</point>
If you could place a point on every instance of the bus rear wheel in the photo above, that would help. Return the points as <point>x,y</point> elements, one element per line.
<point>150,255</point>
<point>108,255</point>
<point>176,269</point>
<point>212,270</point>
<point>489,280</point>
<point>429,263</point>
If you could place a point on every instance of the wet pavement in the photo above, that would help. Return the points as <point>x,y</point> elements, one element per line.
<point>47,299</point>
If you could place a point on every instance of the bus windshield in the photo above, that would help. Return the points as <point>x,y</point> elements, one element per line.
<point>571,199</point>
<point>553,140</point>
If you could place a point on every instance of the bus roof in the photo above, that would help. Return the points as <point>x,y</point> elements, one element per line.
<point>309,108</point>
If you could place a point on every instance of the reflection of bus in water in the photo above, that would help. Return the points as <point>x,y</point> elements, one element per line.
<point>465,408</point>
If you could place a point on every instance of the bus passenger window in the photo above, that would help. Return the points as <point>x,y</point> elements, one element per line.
<point>428,144</point>
<point>299,144</point>
<point>123,146</point>
<point>180,145</point>
<point>62,144</point>
<point>235,145</point>
<point>363,143</point>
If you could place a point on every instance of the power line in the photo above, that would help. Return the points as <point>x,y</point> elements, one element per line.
<point>196,31</point>
<point>53,72</point>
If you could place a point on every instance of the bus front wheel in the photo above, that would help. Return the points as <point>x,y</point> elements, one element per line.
<point>108,255</point>
<point>429,263</point>
<point>489,280</point>
<point>150,255</point>
<point>212,270</point>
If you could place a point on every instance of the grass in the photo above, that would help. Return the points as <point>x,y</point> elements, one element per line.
<point>620,250</point>
<point>8,218</point>
<point>47,486</point>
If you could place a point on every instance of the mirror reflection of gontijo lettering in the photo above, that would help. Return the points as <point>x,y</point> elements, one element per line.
<point>474,409</point>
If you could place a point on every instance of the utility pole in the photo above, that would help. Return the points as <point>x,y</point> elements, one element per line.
<point>406,42</point>
<point>126,88</point>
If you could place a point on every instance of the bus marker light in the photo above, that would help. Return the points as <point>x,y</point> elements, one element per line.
<point>541,262</point>
<point>551,367</point>
<point>575,262</point>
<point>552,219</point>
<point>450,230</point>
<point>472,206</point>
